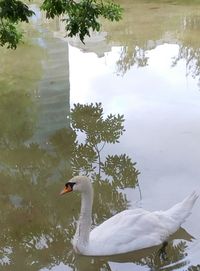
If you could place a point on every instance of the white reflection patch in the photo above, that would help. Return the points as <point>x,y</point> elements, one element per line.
<point>39,242</point>
<point>5,252</point>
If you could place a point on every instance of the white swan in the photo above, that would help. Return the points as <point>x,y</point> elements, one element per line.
<point>126,231</point>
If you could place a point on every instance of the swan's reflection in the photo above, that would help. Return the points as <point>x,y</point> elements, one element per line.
<point>149,257</point>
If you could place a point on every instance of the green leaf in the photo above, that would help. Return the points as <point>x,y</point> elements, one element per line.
<point>9,35</point>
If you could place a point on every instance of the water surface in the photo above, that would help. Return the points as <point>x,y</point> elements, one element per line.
<point>144,71</point>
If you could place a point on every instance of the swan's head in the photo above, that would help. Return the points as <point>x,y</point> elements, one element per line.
<point>79,183</point>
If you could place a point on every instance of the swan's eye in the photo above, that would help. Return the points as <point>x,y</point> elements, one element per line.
<point>68,188</point>
<point>69,184</point>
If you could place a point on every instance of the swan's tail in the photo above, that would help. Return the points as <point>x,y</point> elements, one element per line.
<point>182,210</point>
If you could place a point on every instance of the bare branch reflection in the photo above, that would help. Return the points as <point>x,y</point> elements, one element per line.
<point>136,35</point>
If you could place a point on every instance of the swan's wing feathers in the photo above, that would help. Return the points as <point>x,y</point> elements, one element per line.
<point>114,225</point>
<point>127,231</point>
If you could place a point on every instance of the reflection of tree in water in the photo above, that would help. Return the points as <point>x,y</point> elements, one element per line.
<point>130,56</point>
<point>175,257</point>
<point>135,36</point>
<point>189,47</point>
<point>85,157</point>
<point>188,39</point>
<point>194,268</point>
<point>192,57</point>
<point>36,224</point>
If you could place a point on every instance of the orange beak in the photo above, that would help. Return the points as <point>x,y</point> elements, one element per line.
<point>66,189</point>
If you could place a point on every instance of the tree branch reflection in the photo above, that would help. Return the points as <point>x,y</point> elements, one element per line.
<point>136,37</point>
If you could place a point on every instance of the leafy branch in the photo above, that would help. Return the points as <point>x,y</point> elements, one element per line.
<point>83,15</point>
<point>11,13</point>
<point>79,17</point>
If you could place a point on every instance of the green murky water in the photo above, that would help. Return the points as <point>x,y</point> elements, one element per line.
<point>133,94</point>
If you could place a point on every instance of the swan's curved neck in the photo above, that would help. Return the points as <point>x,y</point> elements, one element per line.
<point>84,224</point>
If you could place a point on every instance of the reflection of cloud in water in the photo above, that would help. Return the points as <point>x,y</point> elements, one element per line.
<point>162,81</point>
<point>5,255</point>
<point>38,242</point>
<point>16,200</point>
<point>194,253</point>
<point>126,267</point>
<point>59,267</point>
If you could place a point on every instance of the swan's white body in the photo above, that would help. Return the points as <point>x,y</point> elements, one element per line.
<point>128,230</point>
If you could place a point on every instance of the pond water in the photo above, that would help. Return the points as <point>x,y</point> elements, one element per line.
<point>123,109</point>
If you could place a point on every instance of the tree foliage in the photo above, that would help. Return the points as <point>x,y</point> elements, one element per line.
<point>79,17</point>
<point>11,13</point>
